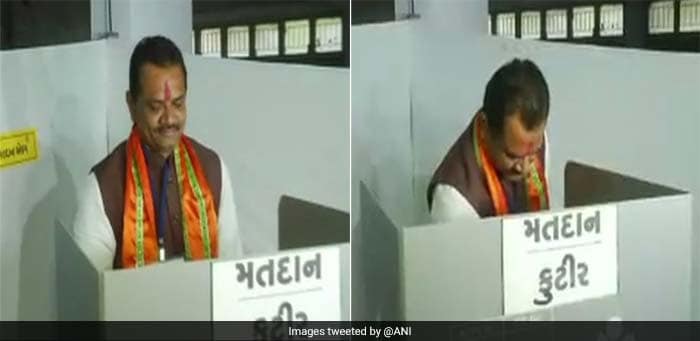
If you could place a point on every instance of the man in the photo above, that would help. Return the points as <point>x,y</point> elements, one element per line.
<point>498,164</point>
<point>159,194</point>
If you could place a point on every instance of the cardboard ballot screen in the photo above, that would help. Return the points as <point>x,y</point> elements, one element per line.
<point>303,224</point>
<point>598,254</point>
<point>287,285</point>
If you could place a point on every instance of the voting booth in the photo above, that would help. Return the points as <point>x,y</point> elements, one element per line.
<point>296,284</point>
<point>619,249</point>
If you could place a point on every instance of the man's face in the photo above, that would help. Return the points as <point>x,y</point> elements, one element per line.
<point>160,110</point>
<point>516,149</point>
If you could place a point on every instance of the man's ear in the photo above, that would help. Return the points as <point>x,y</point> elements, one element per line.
<point>481,116</point>
<point>131,104</point>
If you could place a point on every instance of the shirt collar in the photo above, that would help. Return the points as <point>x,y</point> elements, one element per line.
<point>154,161</point>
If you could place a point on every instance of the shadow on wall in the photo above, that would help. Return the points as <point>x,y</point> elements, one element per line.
<point>37,280</point>
<point>37,261</point>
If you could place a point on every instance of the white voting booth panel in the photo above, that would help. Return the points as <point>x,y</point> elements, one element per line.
<point>307,283</point>
<point>381,127</point>
<point>59,92</point>
<point>455,270</point>
<point>635,111</point>
<point>626,109</point>
<point>279,128</point>
<point>197,291</point>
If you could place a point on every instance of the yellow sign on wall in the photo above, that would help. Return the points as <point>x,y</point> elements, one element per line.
<point>18,147</point>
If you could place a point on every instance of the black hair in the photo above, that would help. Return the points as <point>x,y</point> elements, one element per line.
<point>157,50</point>
<point>517,86</point>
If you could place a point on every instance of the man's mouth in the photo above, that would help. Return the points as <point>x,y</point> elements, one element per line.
<point>515,176</point>
<point>169,132</point>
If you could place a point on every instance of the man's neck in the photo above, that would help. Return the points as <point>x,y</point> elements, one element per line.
<point>151,150</point>
<point>166,154</point>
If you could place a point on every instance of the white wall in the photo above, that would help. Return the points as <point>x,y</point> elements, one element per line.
<point>280,129</point>
<point>135,19</point>
<point>451,18</point>
<point>380,125</point>
<point>99,21</point>
<point>60,91</point>
<point>402,9</point>
<point>383,58</point>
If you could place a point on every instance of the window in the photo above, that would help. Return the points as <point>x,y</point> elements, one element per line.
<point>238,41</point>
<point>611,20</point>
<point>661,17</point>
<point>690,15</point>
<point>210,42</point>
<point>584,21</point>
<point>296,37</point>
<point>266,40</point>
<point>505,25</point>
<point>530,25</point>
<point>556,24</point>
<point>27,24</point>
<point>329,35</point>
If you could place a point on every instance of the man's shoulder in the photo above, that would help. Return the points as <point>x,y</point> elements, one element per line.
<point>115,158</point>
<point>450,204</point>
<point>204,153</point>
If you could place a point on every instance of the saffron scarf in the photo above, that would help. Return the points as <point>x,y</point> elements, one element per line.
<point>199,220</point>
<point>535,182</point>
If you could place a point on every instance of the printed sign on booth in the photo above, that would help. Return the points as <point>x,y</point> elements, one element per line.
<point>295,286</point>
<point>556,258</point>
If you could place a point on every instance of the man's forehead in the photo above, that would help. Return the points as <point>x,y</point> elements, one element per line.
<point>521,139</point>
<point>153,75</point>
<point>162,84</point>
<point>151,68</point>
<point>166,91</point>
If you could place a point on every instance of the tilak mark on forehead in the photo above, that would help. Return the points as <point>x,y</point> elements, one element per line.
<point>530,147</point>
<point>166,91</point>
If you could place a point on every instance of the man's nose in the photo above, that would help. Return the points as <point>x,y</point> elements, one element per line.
<point>522,165</point>
<point>169,115</point>
<point>518,166</point>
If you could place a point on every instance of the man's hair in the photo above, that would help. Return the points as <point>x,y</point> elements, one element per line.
<point>517,86</point>
<point>157,50</point>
